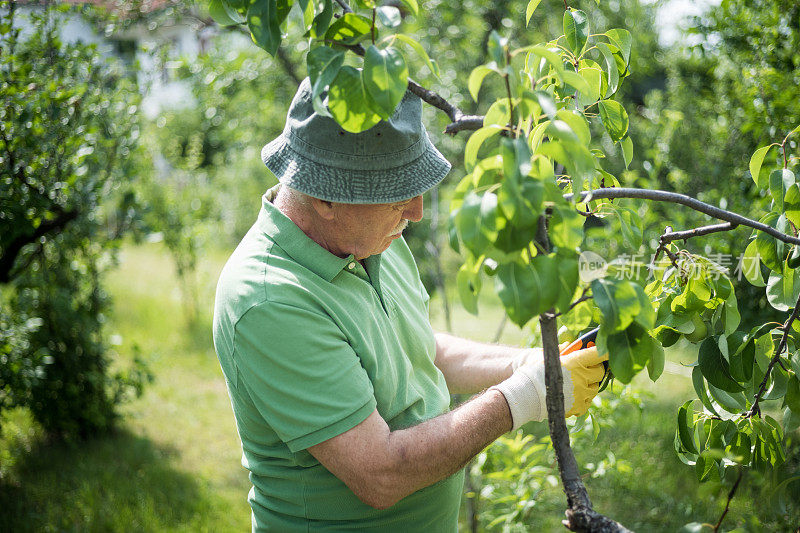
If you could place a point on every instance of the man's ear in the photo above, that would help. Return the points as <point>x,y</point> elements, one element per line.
<point>323,208</point>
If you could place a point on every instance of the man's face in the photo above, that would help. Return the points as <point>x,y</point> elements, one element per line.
<point>369,229</point>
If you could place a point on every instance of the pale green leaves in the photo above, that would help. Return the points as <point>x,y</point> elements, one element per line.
<point>349,29</point>
<point>780,180</point>
<point>532,5</point>
<point>476,80</point>
<point>783,289</point>
<point>224,14</point>
<point>385,79</point>
<point>627,151</point>
<point>419,50</point>
<point>527,290</point>
<point>346,98</point>
<point>756,161</point>
<point>615,119</point>
<point>264,25</point>
<point>715,367</point>
<point>323,66</point>
<point>621,303</point>
<point>576,29</point>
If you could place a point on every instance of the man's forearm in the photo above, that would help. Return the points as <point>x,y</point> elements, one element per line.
<point>470,366</point>
<point>381,466</point>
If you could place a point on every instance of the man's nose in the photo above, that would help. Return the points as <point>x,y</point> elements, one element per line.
<point>413,210</point>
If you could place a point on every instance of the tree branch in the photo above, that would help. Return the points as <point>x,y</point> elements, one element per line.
<point>688,201</point>
<point>728,503</point>
<point>787,326</point>
<point>580,515</point>
<point>13,249</point>
<point>696,232</point>
<point>459,121</point>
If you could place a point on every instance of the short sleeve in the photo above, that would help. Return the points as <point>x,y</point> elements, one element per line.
<point>301,373</point>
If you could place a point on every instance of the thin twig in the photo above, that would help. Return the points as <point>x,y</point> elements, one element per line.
<point>697,232</point>
<point>688,201</point>
<point>344,6</point>
<point>728,503</point>
<point>574,304</point>
<point>787,326</point>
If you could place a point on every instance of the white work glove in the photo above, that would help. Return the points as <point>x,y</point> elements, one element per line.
<point>524,391</point>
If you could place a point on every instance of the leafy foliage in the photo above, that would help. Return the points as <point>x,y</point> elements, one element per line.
<point>68,130</point>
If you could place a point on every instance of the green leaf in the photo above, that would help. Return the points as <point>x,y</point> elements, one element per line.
<point>627,150</point>
<point>476,221</point>
<point>618,302</point>
<point>700,388</point>
<point>567,281</point>
<point>224,14</point>
<point>714,366</point>
<point>475,142</point>
<point>755,166</point>
<point>576,29</point>
<point>629,351</point>
<point>529,10</point>
<point>696,527</point>
<point>420,51</point>
<point>497,46</point>
<point>476,80</point>
<point>468,282</point>
<point>566,228</point>
<point>655,365</point>
<point>783,289</point>
<point>347,101</point>
<point>389,16</point>
<point>264,26</point>
<point>576,81</point>
<point>579,318</point>
<point>385,79</point>
<point>594,80</point>
<point>577,123</point>
<point>685,427</point>
<point>792,398</point>
<point>611,70</point>
<point>779,182</point>
<point>411,5</point>
<point>733,402</point>
<point>622,40</point>
<point>349,29</point>
<point>574,156</point>
<point>323,20</point>
<point>615,119</point>
<point>770,250</point>
<point>527,290</point>
<point>631,225</point>
<point>323,65</point>
<point>751,265</point>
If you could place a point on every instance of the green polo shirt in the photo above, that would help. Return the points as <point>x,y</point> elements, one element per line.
<point>310,344</point>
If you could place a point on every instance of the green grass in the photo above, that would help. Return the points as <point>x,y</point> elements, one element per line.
<point>174,464</point>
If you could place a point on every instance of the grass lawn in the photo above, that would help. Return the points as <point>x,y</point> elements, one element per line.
<point>174,464</point>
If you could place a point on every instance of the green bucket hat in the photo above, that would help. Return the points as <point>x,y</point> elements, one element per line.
<point>392,161</point>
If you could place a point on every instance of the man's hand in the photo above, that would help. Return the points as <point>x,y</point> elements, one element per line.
<point>525,390</point>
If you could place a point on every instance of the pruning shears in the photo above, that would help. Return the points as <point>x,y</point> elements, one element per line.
<point>587,340</point>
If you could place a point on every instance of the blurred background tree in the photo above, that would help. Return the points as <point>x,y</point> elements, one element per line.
<point>67,139</point>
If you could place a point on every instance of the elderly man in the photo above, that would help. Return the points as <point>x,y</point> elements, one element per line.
<point>339,386</point>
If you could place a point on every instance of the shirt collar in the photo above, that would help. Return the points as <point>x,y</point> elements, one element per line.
<point>297,244</point>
